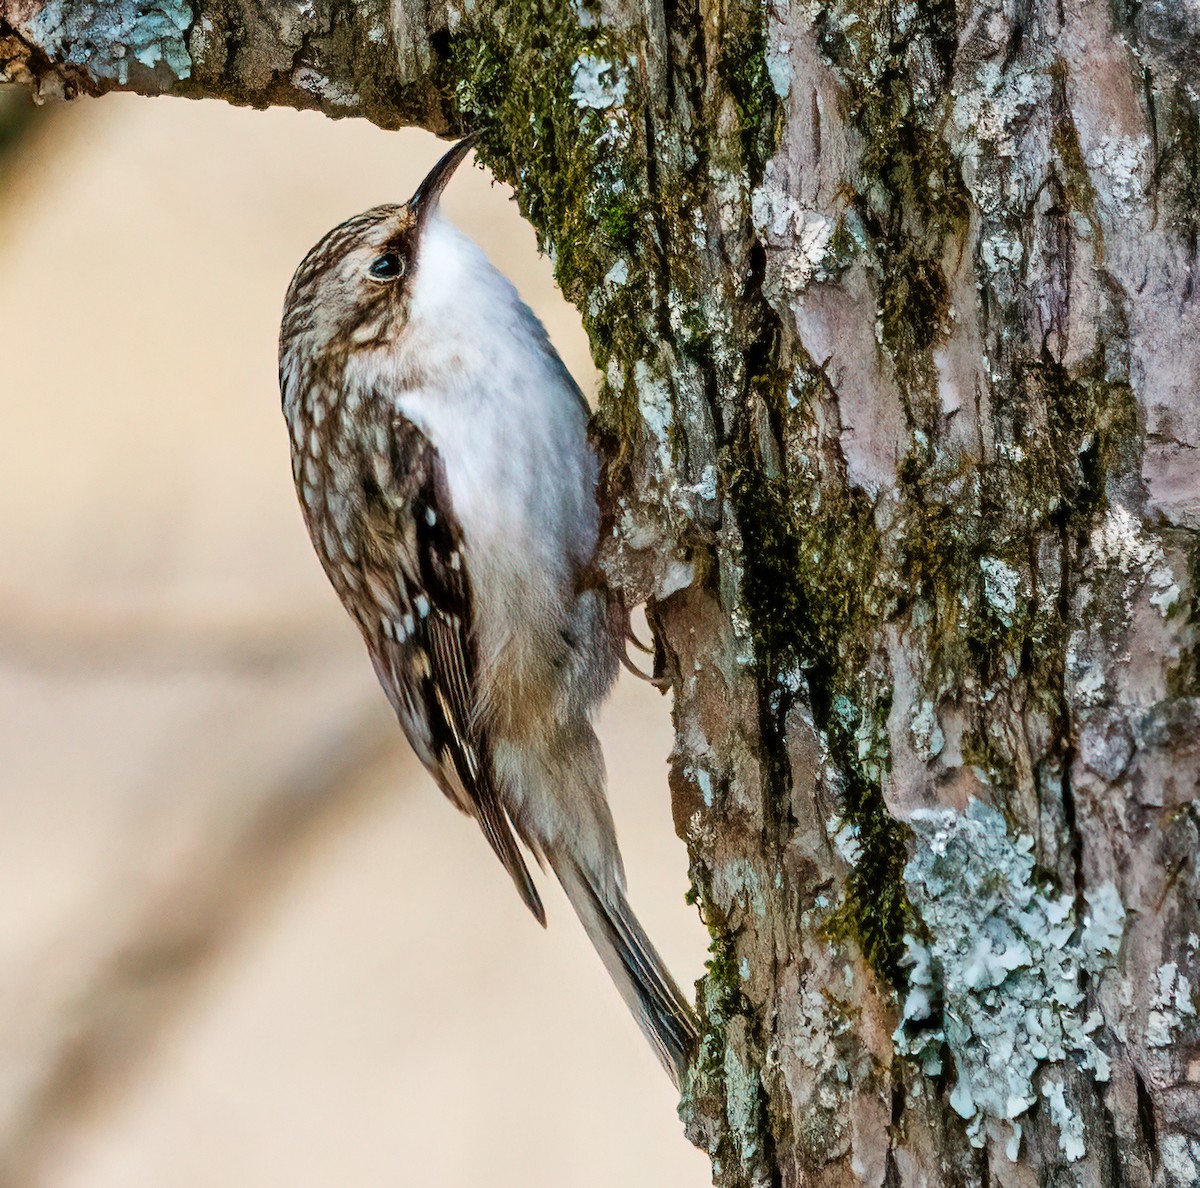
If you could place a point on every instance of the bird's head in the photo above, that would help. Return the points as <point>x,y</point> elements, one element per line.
<point>354,288</point>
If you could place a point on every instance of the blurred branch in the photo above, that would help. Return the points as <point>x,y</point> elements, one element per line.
<point>107,990</point>
<point>345,60</point>
<point>16,117</point>
<point>56,638</point>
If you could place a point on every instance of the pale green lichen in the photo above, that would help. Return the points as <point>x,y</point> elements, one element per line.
<point>744,1105</point>
<point>1121,543</point>
<point>990,113</point>
<point>105,39</point>
<point>819,1036</point>
<point>1068,1123</point>
<point>926,731</point>
<point>995,972</point>
<point>1171,1005</point>
<point>704,782</point>
<point>1180,1160</point>
<point>316,83</point>
<point>598,83</point>
<point>844,835</point>
<point>779,218</point>
<point>618,274</point>
<point>1001,583</point>
<point>1120,166</point>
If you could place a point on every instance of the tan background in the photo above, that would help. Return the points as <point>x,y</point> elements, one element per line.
<point>243,940</point>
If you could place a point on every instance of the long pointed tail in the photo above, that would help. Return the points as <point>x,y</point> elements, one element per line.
<point>649,991</point>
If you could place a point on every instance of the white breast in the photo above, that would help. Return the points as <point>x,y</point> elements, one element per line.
<point>511,428</point>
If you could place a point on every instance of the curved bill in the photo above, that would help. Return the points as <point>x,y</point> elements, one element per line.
<point>428,192</point>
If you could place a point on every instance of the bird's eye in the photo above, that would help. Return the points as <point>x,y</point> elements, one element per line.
<point>387,267</point>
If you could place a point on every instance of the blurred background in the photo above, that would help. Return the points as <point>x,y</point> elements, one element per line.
<point>243,939</point>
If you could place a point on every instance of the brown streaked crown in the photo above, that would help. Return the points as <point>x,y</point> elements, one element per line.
<point>333,302</point>
<point>340,299</point>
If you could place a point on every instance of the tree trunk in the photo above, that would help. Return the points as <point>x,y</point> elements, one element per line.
<point>894,305</point>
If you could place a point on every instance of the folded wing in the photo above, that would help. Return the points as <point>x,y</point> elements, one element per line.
<point>423,646</point>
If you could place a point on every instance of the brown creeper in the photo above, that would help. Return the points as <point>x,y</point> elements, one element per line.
<point>440,452</point>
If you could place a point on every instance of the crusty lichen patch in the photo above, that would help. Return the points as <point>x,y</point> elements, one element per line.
<point>1171,1005</point>
<point>995,970</point>
<point>109,40</point>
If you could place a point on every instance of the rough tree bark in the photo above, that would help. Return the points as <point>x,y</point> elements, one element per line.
<point>895,308</point>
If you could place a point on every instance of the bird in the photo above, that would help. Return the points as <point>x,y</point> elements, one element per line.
<point>441,457</point>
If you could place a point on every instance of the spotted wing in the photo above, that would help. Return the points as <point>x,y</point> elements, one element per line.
<point>425,654</point>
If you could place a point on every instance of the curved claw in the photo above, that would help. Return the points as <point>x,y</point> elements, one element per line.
<point>661,683</point>
<point>631,636</point>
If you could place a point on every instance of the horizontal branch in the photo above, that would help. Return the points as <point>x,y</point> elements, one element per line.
<point>374,60</point>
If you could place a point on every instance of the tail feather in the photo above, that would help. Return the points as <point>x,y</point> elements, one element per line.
<point>648,989</point>
<point>499,833</point>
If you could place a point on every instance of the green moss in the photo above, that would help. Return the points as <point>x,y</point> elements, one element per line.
<point>876,911</point>
<point>1067,436</point>
<point>810,583</point>
<point>580,174</point>
<point>821,582</point>
<point>896,60</point>
<point>1177,168</point>
<point>980,751</point>
<point>912,313</point>
<point>512,69</point>
<point>846,244</point>
<point>1074,175</point>
<point>723,999</point>
<point>742,67</point>
<point>1075,426</point>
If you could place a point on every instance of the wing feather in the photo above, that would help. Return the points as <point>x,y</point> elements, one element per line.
<point>426,655</point>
